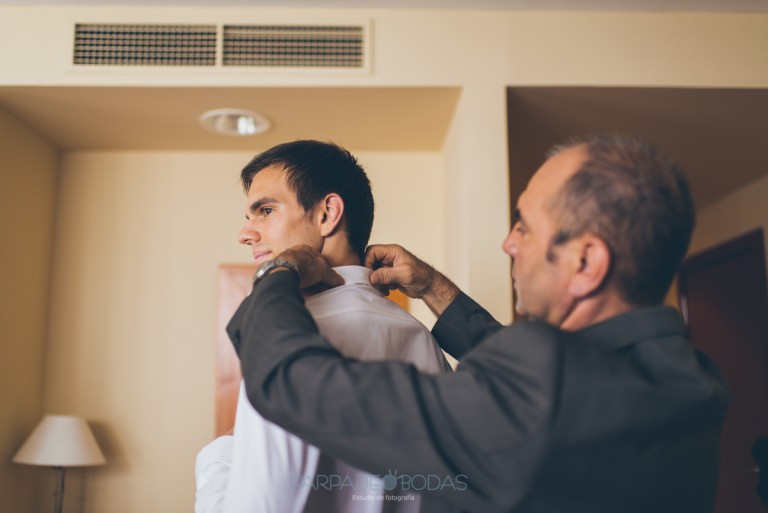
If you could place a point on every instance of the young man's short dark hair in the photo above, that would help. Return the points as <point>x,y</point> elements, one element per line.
<point>314,169</point>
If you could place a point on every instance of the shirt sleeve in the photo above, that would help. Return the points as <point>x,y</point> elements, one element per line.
<point>480,431</point>
<point>212,475</point>
<point>269,466</point>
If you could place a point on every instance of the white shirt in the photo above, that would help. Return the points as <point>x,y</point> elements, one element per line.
<point>264,469</point>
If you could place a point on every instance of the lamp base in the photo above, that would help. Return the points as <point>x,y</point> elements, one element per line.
<point>59,493</point>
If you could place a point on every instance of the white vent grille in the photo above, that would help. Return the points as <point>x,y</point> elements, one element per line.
<point>294,46</point>
<point>145,45</point>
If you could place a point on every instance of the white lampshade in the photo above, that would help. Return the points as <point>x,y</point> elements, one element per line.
<point>60,441</point>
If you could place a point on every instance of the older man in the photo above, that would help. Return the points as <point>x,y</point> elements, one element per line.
<point>596,403</point>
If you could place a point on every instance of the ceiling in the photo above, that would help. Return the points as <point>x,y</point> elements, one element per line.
<point>717,135</point>
<point>166,118</point>
<point>595,5</point>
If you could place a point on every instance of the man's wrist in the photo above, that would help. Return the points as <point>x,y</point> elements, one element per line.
<point>441,293</point>
<point>276,264</point>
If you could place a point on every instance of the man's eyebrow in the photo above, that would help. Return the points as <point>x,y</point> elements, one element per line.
<point>256,205</point>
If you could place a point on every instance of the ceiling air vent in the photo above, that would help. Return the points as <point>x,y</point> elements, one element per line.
<point>294,46</point>
<point>145,45</point>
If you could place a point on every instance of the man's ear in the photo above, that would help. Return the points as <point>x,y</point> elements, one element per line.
<point>591,261</point>
<point>329,213</point>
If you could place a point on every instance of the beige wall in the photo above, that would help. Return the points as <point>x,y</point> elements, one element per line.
<point>140,234</point>
<point>27,201</point>
<point>738,213</point>
<point>408,189</point>
<point>729,218</point>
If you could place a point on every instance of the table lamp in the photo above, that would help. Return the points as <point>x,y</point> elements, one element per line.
<point>60,441</point>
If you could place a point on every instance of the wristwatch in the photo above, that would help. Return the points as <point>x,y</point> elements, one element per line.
<point>270,265</point>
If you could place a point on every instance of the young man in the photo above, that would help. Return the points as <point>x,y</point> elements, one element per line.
<point>314,194</point>
<point>596,404</point>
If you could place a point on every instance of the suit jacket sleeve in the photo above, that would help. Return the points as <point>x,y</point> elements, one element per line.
<point>479,432</point>
<point>463,325</point>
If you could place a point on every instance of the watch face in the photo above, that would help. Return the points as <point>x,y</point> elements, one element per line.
<point>267,266</point>
<point>263,268</point>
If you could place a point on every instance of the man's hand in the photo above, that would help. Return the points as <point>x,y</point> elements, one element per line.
<point>314,271</point>
<point>396,268</point>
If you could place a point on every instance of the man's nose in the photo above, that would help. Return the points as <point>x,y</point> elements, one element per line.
<point>247,234</point>
<point>509,245</point>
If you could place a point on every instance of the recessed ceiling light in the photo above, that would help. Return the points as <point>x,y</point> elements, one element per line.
<point>234,122</point>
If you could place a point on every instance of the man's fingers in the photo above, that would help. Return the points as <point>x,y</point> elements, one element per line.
<point>321,282</point>
<point>332,278</point>
<point>382,280</point>
<point>314,270</point>
<point>381,254</point>
<point>383,277</point>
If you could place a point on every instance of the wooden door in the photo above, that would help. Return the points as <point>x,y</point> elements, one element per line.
<point>235,282</point>
<point>725,305</point>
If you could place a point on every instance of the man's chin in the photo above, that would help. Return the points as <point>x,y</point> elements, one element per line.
<point>520,312</point>
<point>264,258</point>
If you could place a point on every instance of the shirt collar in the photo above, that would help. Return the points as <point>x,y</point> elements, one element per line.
<point>354,274</point>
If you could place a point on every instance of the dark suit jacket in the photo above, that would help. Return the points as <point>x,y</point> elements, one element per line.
<point>621,417</point>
